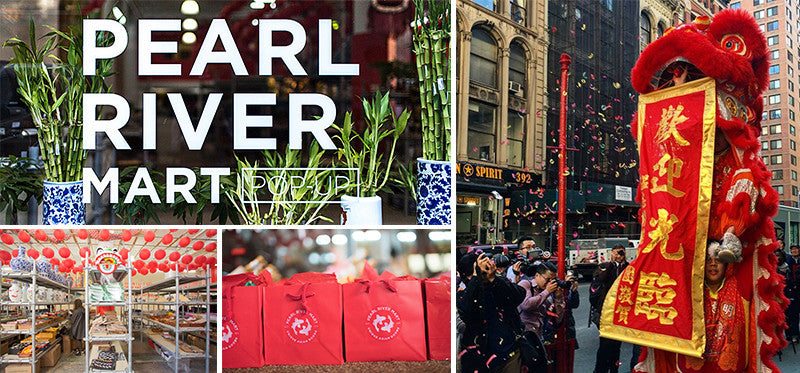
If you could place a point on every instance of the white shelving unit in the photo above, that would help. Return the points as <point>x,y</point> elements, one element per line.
<point>92,354</point>
<point>173,286</point>
<point>36,281</point>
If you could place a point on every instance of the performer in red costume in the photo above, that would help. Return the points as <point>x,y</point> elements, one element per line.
<point>732,51</point>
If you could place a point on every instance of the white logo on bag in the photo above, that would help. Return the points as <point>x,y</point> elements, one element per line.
<point>230,334</point>
<point>301,326</point>
<point>383,323</point>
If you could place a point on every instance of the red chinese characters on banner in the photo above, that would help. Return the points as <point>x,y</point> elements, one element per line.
<point>657,301</point>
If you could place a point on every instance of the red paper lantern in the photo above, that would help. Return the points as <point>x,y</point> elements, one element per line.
<point>198,245</point>
<point>40,235</point>
<point>133,272</point>
<point>184,241</point>
<point>55,261</point>
<point>143,271</point>
<point>59,234</point>
<point>84,252</point>
<point>7,239</point>
<point>174,256</point>
<point>24,236</point>
<point>173,267</point>
<point>200,260</point>
<point>68,263</point>
<point>181,267</point>
<point>64,252</point>
<point>153,265</point>
<point>124,254</point>
<point>76,270</point>
<point>212,261</point>
<point>138,264</point>
<point>149,236</point>
<point>191,267</point>
<point>15,253</point>
<point>48,253</point>
<point>104,235</point>
<point>5,255</point>
<point>163,267</point>
<point>186,259</point>
<point>33,253</point>
<point>211,247</point>
<point>144,254</point>
<point>126,236</point>
<point>211,233</point>
<point>193,231</point>
<point>83,234</point>
<point>167,239</point>
<point>160,254</point>
<point>173,230</point>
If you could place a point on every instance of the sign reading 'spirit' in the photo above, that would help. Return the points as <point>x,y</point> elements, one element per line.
<point>195,134</point>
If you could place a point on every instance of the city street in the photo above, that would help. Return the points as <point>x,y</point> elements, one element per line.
<point>588,339</point>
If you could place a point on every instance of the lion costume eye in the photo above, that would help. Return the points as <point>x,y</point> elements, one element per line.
<point>734,43</point>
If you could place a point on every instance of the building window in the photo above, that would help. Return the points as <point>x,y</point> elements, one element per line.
<point>762,28</point>
<point>736,6</point>
<point>777,175</point>
<point>776,159</point>
<point>790,70</point>
<point>644,28</point>
<point>791,101</point>
<point>774,84</point>
<point>481,126</point>
<point>772,40</point>
<point>765,159</point>
<point>774,99</point>
<point>772,11</point>
<point>764,145</point>
<point>660,29</point>
<point>794,175</point>
<point>763,115</point>
<point>758,2</point>
<point>791,85</point>
<point>776,144</point>
<point>774,129</point>
<point>793,160</point>
<point>792,144</point>
<point>774,55</point>
<point>791,129</point>
<point>488,4</point>
<point>788,41</point>
<point>794,190</point>
<point>758,14</point>
<point>772,26</point>
<point>516,139</point>
<point>516,69</point>
<point>788,26</point>
<point>779,189</point>
<point>517,11</point>
<point>791,114</point>
<point>764,130</point>
<point>483,58</point>
<point>775,114</point>
<point>774,69</point>
<point>789,56</point>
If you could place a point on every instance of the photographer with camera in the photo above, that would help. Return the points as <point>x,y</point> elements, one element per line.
<point>488,308</point>
<point>524,244</point>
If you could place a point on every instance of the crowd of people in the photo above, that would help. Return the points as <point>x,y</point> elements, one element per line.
<point>511,309</point>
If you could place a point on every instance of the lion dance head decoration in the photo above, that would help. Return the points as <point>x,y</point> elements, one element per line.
<point>107,259</point>
<point>731,50</point>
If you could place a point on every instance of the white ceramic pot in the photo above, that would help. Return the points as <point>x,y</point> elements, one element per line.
<point>16,293</point>
<point>361,210</point>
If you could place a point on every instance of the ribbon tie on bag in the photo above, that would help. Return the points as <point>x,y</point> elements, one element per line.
<point>368,284</point>
<point>303,296</point>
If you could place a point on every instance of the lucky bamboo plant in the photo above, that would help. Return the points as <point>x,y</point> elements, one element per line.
<point>54,95</point>
<point>362,151</point>
<point>431,37</point>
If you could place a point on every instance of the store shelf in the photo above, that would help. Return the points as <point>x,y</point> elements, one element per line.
<point>122,365</point>
<point>169,283</point>
<point>171,303</point>
<point>170,346</point>
<point>109,338</point>
<point>40,280</point>
<point>200,288</point>
<point>21,304</point>
<point>28,331</point>
<point>200,335</point>
<point>16,359</point>
<point>107,303</point>
<point>172,327</point>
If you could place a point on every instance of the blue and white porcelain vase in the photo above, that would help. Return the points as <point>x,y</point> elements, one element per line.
<point>63,203</point>
<point>22,263</point>
<point>434,190</point>
<point>43,268</point>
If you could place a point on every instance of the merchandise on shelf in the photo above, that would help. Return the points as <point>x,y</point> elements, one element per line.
<point>106,292</point>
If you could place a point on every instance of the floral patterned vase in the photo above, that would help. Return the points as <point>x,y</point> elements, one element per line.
<point>63,203</point>
<point>21,263</point>
<point>434,190</point>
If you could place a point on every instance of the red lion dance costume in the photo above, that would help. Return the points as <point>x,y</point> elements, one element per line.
<point>702,179</point>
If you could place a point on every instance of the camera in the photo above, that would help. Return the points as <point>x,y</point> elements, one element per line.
<point>564,284</point>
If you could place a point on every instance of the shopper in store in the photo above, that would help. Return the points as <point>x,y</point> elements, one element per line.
<point>77,326</point>
<point>488,308</point>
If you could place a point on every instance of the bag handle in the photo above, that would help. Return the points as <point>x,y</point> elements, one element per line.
<point>303,296</point>
<point>231,281</point>
<point>368,284</point>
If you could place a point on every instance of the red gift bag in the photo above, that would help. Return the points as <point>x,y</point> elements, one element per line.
<point>303,321</point>
<point>384,319</point>
<point>242,328</point>
<point>437,316</point>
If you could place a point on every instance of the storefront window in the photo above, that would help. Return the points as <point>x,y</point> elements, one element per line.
<point>483,58</point>
<point>516,139</point>
<point>481,137</point>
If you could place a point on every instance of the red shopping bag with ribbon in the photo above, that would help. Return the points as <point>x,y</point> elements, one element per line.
<point>384,319</point>
<point>242,329</point>
<point>303,321</point>
<point>437,316</point>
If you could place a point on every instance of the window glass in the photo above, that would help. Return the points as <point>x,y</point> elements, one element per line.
<point>483,58</point>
